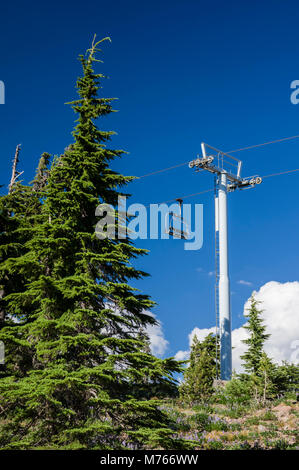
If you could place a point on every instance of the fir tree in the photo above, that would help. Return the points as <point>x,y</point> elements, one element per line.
<point>256,340</point>
<point>201,370</point>
<point>19,210</point>
<point>88,375</point>
<point>286,378</point>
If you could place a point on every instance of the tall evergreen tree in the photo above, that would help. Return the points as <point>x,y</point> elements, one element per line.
<point>201,370</point>
<point>88,374</point>
<point>257,337</point>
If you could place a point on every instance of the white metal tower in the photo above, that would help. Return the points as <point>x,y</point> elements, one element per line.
<point>227,170</point>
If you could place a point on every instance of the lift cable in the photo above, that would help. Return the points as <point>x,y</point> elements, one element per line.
<point>182,197</point>
<point>281,173</point>
<point>212,189</point>
<point>231,151</point>
<point>264,143</point>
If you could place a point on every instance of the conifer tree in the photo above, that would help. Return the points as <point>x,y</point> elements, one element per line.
<point>201,370</point>
<point>19,210</point>
<point>256,340</point>
<point>286,378</point>
<point>87,375</point>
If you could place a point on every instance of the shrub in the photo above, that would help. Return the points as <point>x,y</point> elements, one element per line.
<point>214,445</point>
<point>268,416</point>
<point>253,420</point>
<point>235,392</point>
<point>201,420</point>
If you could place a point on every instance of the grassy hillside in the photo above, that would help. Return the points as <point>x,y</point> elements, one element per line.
<point>217,426</point>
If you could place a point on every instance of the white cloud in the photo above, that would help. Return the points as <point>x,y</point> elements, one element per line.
<point>182,355</point>
<point>244,283</point>
<point>158,343</point>
<point>280,302</point>
<point>201,333</point>
<point>280,305</point>
<point>239,347</point>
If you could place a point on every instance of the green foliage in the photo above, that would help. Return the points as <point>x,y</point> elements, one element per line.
<point>280,444</point>
<point>268,416</point>
<point>79,372</point>
<point>201,420</point>
<point>251,427</point>
<point>214,445</point>
<point>209,422</point>
<point>256,340</point>
<point>265,380</point>
<point>235,393</point>
<point>261,370</point>
<point>203,407</point>
<point>201,371</point>
<point>253,421</point>
<point>286,378</point>
<point>19,216</point>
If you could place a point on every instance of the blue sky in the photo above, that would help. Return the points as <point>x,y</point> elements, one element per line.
<point>183,72</point>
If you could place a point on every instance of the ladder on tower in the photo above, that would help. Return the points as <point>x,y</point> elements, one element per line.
<point>217,282</point>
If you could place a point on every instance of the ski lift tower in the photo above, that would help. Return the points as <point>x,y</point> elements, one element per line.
<point>227,171</point>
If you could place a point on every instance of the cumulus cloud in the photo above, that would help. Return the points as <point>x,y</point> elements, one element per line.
<point>239,348</point>
<point>182,355</point>
<point>280,305</point>
<point>280,302</point>
<point>158,343</point>
<point>201,333</point>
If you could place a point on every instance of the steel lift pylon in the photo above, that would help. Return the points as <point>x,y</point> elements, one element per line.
<point>227,171</point>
